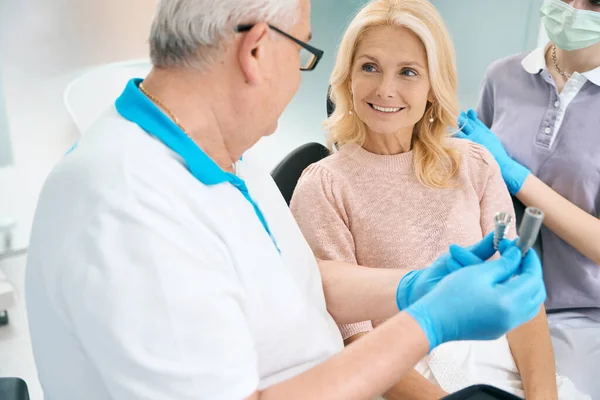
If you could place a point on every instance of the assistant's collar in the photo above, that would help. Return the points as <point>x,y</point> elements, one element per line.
<point>535,62</point>
<point>134,106</point>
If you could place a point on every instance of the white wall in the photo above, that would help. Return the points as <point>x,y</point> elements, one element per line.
<point>43,45</point>
<point>484,31</point>
<point>5,143</point>
<point>542,36</point>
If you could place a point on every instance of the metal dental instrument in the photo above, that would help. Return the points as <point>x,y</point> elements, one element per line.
<point>529,228</point>
<point>502,222</point>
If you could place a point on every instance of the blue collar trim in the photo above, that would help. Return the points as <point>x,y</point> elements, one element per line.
<point>134,106</point>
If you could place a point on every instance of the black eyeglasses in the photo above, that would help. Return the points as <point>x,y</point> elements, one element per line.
<point>309,56</point>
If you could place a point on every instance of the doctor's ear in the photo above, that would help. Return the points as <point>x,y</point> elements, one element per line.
<point>251,49</point>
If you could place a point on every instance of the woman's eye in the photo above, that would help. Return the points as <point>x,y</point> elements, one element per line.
<point>369,68</point>
<point>408,72</point>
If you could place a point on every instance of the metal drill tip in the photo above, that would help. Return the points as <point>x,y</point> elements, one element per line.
<point>503,218</point>
<point>502,222</point>
<point>535,212</point>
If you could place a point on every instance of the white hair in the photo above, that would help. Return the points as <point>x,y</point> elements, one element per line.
<point>194,32</point>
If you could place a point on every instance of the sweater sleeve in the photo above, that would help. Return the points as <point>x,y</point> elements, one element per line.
<point>318,207</point>
<point>493,193</point>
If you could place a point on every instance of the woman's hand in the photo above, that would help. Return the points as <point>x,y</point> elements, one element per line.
<point>513,173</point>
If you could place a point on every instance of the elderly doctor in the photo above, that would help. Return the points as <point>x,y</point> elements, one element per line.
<point>164,265</point>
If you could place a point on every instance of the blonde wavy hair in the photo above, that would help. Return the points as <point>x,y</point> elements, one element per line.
<point>436,162</point>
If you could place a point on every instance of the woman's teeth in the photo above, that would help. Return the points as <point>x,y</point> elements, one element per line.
<point>385,109</point>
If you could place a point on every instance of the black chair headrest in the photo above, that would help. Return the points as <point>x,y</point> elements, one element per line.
<point>289,170</point>
<point>330,105</point>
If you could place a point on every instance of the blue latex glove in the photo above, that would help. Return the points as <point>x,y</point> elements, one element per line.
<point>483,301</point>
<point>418,283</point>
<point>514,174</point>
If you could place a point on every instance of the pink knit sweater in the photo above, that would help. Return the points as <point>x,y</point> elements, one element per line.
<point>370,209</point>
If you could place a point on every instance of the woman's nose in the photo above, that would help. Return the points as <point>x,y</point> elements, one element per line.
<point>387,88</point>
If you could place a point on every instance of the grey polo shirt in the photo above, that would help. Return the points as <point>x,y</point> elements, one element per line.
<point>556,136</point>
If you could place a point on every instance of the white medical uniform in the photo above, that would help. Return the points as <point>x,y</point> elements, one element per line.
<point>154,274</point>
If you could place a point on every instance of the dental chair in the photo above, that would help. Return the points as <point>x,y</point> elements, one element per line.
<point>95,89</point>
<point>289,170</point>
<point>13,389</point>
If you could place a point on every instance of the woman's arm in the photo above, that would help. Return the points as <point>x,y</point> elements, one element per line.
<point>573,225</point>
<point>412,387</point>
<point>415,387</point>
<point>531,347</point>
<point>354,293</point>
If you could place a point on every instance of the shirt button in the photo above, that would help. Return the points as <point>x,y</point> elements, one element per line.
<point>556,104</point>
<point>547,130</point>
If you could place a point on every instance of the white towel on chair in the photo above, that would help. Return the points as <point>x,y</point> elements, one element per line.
<point>457,365</point>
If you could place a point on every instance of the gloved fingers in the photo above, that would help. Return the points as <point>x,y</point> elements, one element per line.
<point>462,118</point>
<point>531,266</point>
<point>465,124</point>
<point>538,300</point>
<point>484,249</point>
<point>463,257</point>
<point>525,297</point>
<point>452,265</point>
<point>471,113</point>
<point>505,244</point>
<point>461,135</point>
<point>526,289</point>
<point>500,270</point>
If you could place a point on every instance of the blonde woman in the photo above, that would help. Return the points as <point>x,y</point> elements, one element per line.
<point>400,190</point>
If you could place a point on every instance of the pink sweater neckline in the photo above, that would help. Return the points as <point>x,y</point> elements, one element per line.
<point>399,163</point>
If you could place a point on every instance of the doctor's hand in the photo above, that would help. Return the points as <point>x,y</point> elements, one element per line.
<point>482,301</point>
<point>418,283</point>
<point>514,174</point>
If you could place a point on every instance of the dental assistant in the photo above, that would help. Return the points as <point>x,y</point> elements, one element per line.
<point>544,111</point>
<point>164,265</point>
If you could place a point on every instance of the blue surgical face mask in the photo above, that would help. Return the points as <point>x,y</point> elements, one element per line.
<point>569,28</point>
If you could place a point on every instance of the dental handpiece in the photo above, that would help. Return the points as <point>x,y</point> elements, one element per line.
<point>529,228</point>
